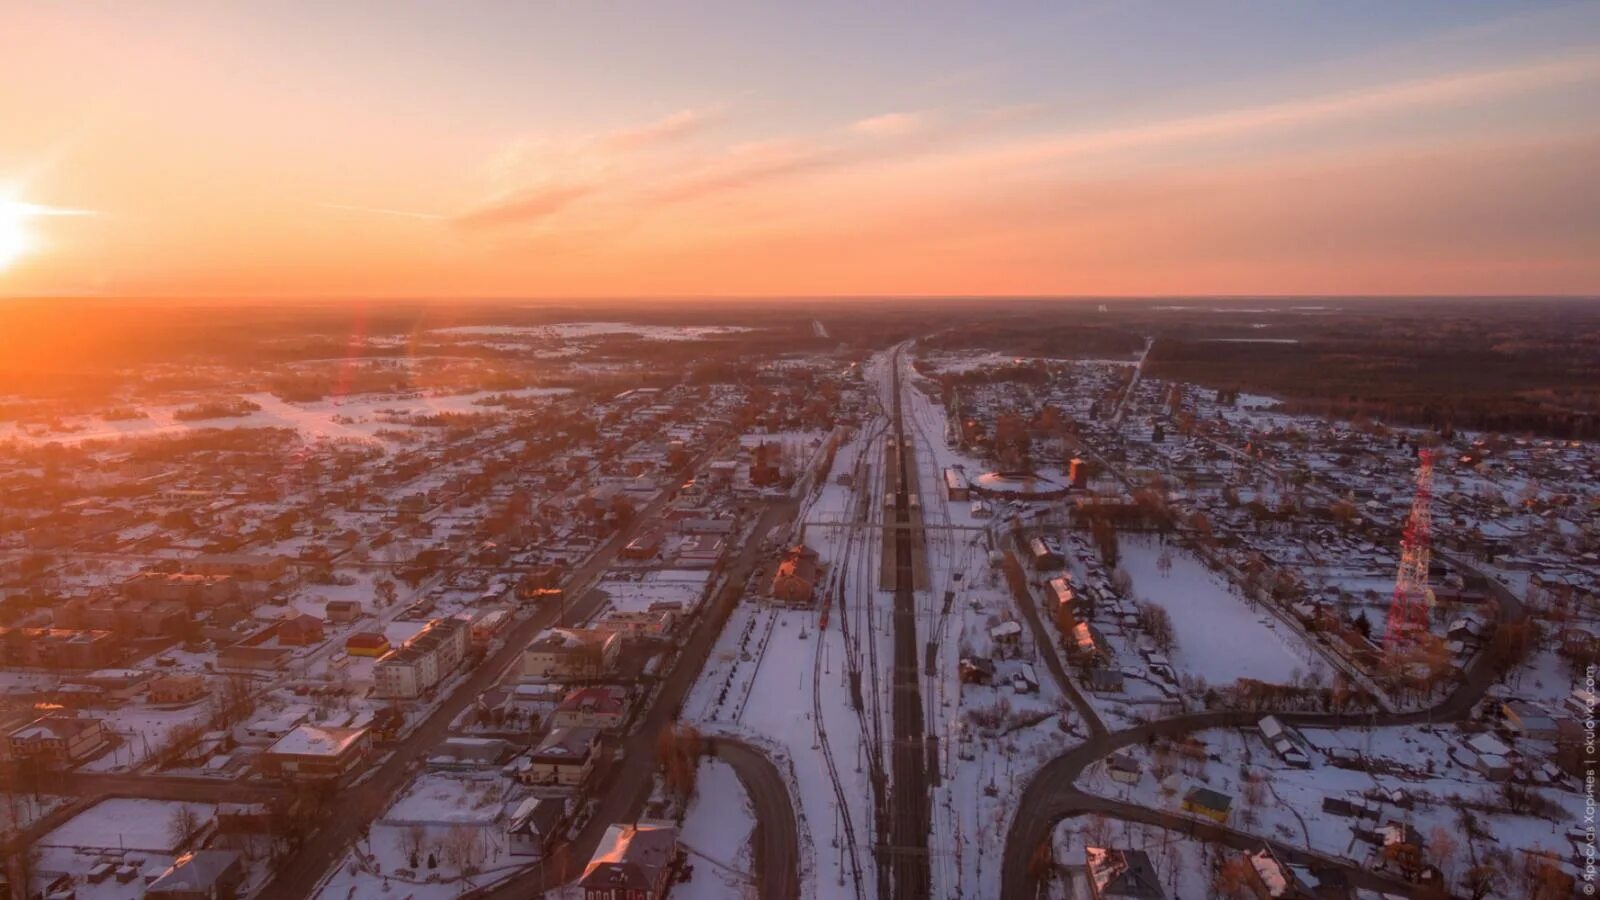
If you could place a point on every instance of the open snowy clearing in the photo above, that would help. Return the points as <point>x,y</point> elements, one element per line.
<point>1220,637</point>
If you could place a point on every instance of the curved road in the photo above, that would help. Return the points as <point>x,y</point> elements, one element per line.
<point>1053,795</point>
<point>777,839</point>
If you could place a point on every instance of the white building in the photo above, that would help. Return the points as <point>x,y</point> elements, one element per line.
<point>423,661</point>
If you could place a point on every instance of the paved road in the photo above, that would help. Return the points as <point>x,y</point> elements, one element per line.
<point>626,783</point>
<point>1046,643</point>
<point>360,804</point>
<point>777,838</point>
<point>1053,795</point>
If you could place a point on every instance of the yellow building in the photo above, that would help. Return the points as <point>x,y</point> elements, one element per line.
<point>366,643</point>
<point>1208,803</point>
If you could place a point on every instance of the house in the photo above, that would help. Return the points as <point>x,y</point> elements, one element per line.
<point>317,752</point>
<point>1123,768</point>
<point>366,643</point>
<point>200,875</point>
<point>1276,880</point>
<point>59,648</point>
<point>1214,805</point>
<point>571,654</point>
<point>422,661</point>
<point>470,753</point>
<point>764,467</point>
<point>1350,807</point>
<point>956,486</point>
<point>1024,680</point>
<point>633,862</point>
<point>1062,592</point>
<point>592,707</point>
<point>535,825</point>
<point>177,689</point>
<point>1105,681</point>
<point>794,583</point>
<point>1490,756</point>
<point>300,631</point>
<point>247,657</point>
<point>1086,645</point>
<point>565,757</point>
<point>644,623</point>
<point>1284,741</point>
<point>1006,636</point>
<point>1043,555</point>
<point>1529,720</point>
<point>57,739</point>
<point>976,670</point>
<point>343,612</point>
<point>1121,873</point>
<point>1582,702</point>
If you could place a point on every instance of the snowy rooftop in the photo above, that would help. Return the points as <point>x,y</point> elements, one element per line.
<point>317,740</point>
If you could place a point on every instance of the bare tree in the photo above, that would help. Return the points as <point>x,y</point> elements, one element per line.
<point>412,840</point>
<point>184,825</point>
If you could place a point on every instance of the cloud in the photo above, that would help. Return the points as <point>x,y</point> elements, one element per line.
<point>1452,90</point>
<point>382,211</point>
<point>744,166</point>
<point>891,124</point>
<point>680,124</point>
<point>522,207</point>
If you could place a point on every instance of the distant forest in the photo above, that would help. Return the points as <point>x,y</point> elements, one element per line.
<point>1518,366</point>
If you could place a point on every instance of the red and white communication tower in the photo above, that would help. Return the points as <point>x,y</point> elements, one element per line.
<point>1408,614</point>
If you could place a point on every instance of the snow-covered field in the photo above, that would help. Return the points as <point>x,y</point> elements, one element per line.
<point>1427,765</point>
<point>456,822</point>
<point>717,832</point>
<point>354,418</point>
<point>126,824</point>
<point>1220,637</point>
<point>582,330</point>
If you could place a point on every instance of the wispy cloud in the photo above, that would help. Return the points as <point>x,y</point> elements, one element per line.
<point>522,207</point>
<point>626,174</point>
<point>1452,90</point>
<point>680,124</point>
<point>897,124</point>
<point>382,211</point>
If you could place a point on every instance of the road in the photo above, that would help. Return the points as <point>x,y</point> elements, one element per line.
<point>1053,795</point>
<point>626,783</point>
<point>777,840</point>
<point>361,803</point>
<point>1046,643</point>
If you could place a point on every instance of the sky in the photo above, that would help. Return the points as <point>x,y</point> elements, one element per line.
<point>699,149</point>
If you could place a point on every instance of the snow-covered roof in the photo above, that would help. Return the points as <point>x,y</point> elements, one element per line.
<point>317,740</point>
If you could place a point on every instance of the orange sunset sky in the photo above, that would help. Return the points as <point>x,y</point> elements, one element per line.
<point>304,149</point>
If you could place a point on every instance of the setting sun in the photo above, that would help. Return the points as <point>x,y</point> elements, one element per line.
<point>14,240</point>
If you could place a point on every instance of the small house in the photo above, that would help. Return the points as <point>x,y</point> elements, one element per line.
<point>1206,802</point>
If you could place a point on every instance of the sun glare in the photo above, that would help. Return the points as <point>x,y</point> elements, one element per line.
<point>14,239</point>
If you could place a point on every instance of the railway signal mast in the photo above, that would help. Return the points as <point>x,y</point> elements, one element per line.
<point>1408,613</point>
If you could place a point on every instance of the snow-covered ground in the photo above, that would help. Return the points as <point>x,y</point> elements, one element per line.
<point>456,822</point>
<point>126,824</point>
<point>584,330</point>
<point>717,832</point>
<point>1428,765</point>
<point>358,417</point>
<point>1182,865</point>
<point>1221,638</point>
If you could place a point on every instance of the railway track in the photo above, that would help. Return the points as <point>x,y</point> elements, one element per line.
<point>755,672</point>
<point>841,798</point>
<point>907,850</point>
